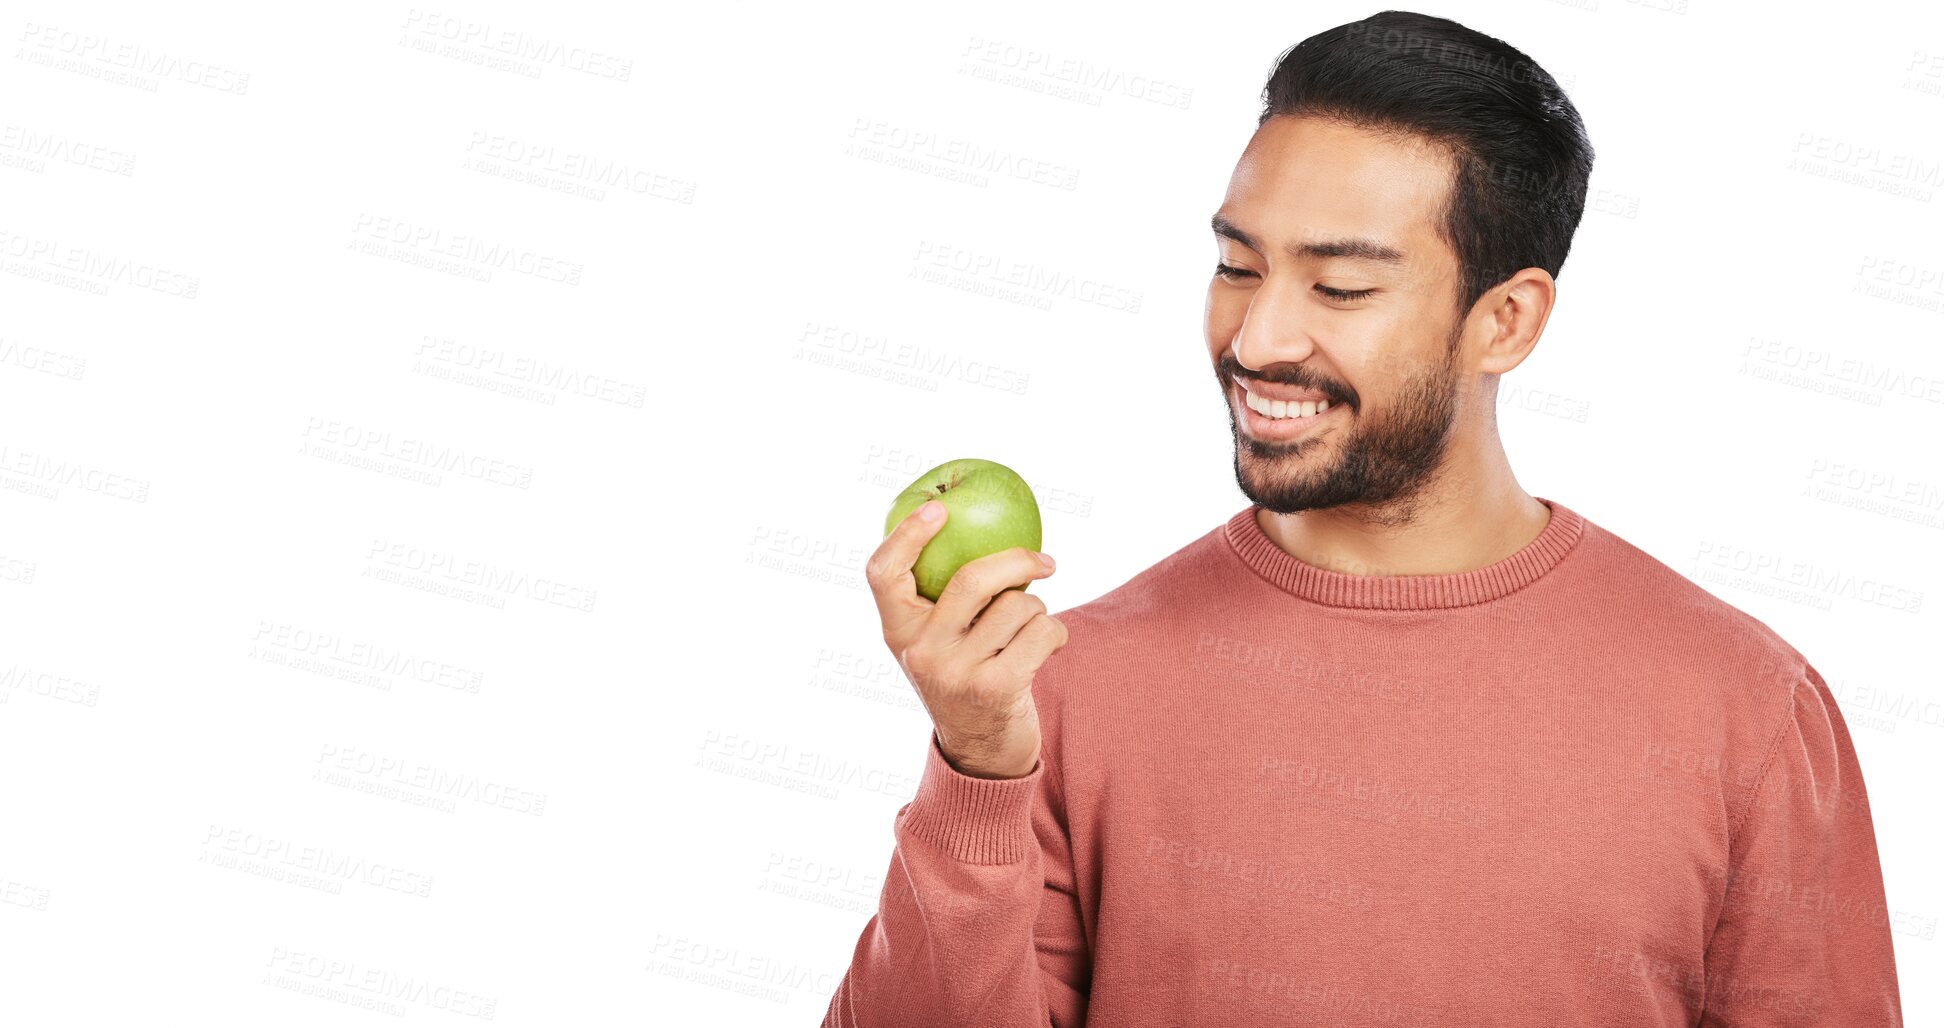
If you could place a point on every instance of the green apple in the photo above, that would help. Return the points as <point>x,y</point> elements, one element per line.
<point>988,508</point>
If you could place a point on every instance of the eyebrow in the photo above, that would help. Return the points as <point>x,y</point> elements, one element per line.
<point>1353,248</point>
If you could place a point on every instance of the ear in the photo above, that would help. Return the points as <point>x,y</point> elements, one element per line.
<point>1514,313</point>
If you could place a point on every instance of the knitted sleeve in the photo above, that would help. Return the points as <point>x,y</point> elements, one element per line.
<point>1804,934</point>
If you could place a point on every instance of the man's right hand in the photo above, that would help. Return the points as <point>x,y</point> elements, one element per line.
<point>972,654</point>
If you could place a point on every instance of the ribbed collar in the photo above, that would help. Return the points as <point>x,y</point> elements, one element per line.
<point>1406,592</point>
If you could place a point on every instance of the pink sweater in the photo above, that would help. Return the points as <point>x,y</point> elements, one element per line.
<point>1571,788</point>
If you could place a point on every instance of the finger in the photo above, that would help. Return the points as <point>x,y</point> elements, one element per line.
<point>889,570</point>
<point>1000,621</point>
<point>975,584</point>
<point>1036,640</point>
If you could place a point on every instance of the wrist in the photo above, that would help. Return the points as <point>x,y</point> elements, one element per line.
<point>988,763</point>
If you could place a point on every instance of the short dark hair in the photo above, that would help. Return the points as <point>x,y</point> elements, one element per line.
<point>1522,156</point>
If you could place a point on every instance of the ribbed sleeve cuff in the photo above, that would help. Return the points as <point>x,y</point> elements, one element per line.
<point>973,820</point>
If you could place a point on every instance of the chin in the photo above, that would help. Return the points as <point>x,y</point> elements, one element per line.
<point>1294,479</point>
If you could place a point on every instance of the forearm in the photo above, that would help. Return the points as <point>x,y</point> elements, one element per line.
<point>953,941</point>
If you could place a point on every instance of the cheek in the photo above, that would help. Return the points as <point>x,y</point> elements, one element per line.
<point>1379,350</point>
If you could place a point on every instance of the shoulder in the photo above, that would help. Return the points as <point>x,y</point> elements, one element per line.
<point>1684,631</point>
<point>1157,591</point>
<point>1121,631</point>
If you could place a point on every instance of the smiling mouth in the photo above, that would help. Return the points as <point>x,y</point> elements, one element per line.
<point>1283,410</point>
<point>1296,406</point>
<point>1275,421</point>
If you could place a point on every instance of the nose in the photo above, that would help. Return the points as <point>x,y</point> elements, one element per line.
<point>1275,329</point>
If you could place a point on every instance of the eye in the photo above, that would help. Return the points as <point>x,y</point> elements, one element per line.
<point>1344,295</point>
<point>1230,273</point>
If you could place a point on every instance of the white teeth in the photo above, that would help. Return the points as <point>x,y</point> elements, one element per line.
<point>1284,408</point>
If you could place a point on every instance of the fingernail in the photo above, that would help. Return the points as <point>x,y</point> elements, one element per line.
<point>931,510</point>
<point>1046,560</point>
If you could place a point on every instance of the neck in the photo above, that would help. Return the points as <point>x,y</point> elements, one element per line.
<point>1471,514</point>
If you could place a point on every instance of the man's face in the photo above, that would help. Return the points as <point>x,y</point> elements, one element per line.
<point>1344,293</point>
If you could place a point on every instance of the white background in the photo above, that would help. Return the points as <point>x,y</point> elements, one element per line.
<point>499,624</point>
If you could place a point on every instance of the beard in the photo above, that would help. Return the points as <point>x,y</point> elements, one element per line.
<point>1380,463</point>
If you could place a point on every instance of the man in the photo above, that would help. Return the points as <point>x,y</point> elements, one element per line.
<point>1399,743</point>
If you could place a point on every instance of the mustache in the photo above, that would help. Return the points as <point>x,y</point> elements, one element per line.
<point>1295,375</point>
